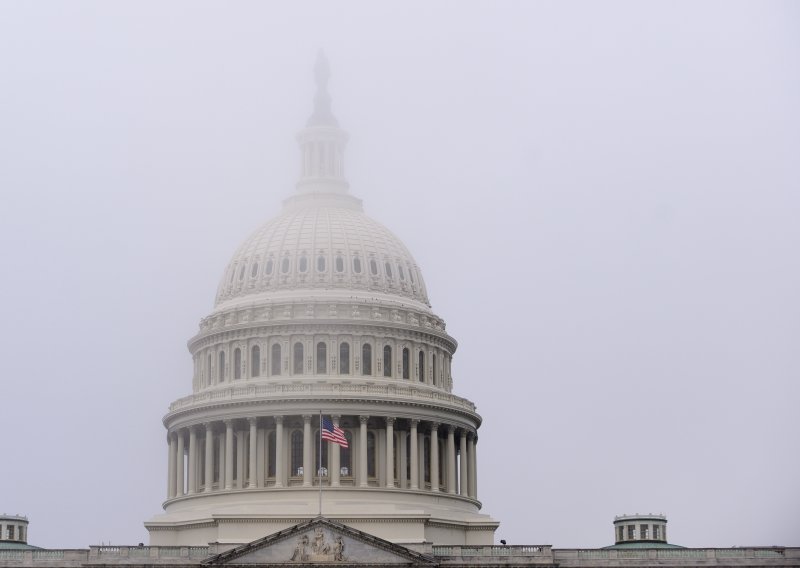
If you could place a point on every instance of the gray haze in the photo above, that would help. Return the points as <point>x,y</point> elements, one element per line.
<point>604,200</point>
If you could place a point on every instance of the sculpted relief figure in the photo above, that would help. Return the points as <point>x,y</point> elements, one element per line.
<point>338,550</point>
<point>300,550</point>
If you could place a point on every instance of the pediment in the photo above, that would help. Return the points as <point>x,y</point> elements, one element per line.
<point>320,541</point>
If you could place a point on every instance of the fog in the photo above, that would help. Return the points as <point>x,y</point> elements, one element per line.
<point>603,199</point>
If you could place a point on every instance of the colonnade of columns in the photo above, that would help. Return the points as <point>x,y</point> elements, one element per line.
<point>284,451</point>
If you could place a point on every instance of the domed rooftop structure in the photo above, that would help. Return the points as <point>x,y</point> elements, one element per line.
<point>322,313</point>
<point>319,246</point>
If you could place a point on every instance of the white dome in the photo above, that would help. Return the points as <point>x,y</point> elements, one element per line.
<point>321,243</point>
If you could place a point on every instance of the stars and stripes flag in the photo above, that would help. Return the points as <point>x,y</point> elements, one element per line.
<point>333,433</point>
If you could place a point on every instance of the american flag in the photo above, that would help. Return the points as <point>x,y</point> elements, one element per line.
<point>333,433</point>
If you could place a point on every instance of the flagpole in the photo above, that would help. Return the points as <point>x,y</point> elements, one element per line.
<point>319,463</point>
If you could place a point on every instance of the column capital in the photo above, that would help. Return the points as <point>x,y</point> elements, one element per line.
<point>278,419</point>
<point>390,420</point>
<point>228,422</point>
<point>335,417</point>
<point>451,429</point>
<point>252,421</point>
<point>307,418</point>
<point>414,422</point>
<point>209,426</point>
<point>363,419</point>
<point>435,426</point>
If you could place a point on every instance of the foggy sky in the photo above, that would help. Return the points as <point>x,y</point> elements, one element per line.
<point>603,199</point>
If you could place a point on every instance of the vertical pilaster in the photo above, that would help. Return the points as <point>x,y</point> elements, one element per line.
<point>474,476</point>
<point>413,440</point>
<point>463,482</point>
<point>403,477</point>
<point>334,457</point>
<point>362,452</point>
<point>279,459</point>
<point>434,457</point>
<point>179,481</point>
<point>308,448</point>
<point>228,454</point>
<point>389,452</point>
<point>471,462</point>
<point>209,465</point>
<point>192,462</point>
<point>451,459</point>
<point>253,453</point>
<point>172,461</point>
<point>221,461</point>
<point>240,473</point>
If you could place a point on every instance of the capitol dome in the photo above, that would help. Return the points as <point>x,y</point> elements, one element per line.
<point>322,323</point>
<point>320,244</point>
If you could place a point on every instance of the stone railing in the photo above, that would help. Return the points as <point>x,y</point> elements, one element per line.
<point>710,556</point>
<point>461,551</point>
<point>302,389</point>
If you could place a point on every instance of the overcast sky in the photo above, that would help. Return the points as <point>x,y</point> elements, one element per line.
<point>604,199</point>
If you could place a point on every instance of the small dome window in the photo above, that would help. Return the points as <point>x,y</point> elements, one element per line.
<point>373,267</point>
<point>339,264</point>
<point>268,267</point>
<point>411,275</point>
<point>356,265</point>
<point>241,273</point>
<point>303,266</point>
<point>388,268</point>
<point>254,270</point>
<point>401,272</point>
<point>320,263</point>
<point>285,264</point>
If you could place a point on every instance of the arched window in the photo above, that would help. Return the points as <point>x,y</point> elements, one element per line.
<point>371,468</point>
<point>237,364</point>
<point>221,367</point>
<point>373,267</point>
<point>406,362</point>
<point>255,361</point>
<point>303,264</point>
<point>275,364</point>
<point>356,265</point>
<point>401,272</point>
<point>339,264</point>
<point>388,268</point>
<point>366,359</point>
<point>271,454</point>
<point>297,366</point>
<point>285,264</point>
<point>344,359</point>
<point>435,374</point>
<point>324,462</point>
<point>209,376</point>
<point>254,270</point>
<point>268,267</point>
<point>387,361</point>
<point>322,358</point>
<point>320,263</point>
<point>422,366</point>
<point>297,453</point>
<point>346,456</point>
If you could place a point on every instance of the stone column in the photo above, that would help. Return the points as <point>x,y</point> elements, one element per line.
<point>279,466</point>
<point>308,448</point>
<point>209,465</point>
<point>434,456</point>
<point>228,454</point>
<point>334,457</point>
<point>179,486</point>
<point>389,452</point>
<point>413,439</point>
<point>402,449</point>
<point>471,463</point>
<point>451,459</point>
<point>421,458</point>
<point>463,482</point>
<point>192,462</point>
<point>362,452</point>
<point>221,461</point>
<point>240,474</point>
<point>253,453</point>
<point>171,467</point>
<point>474,476</point>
